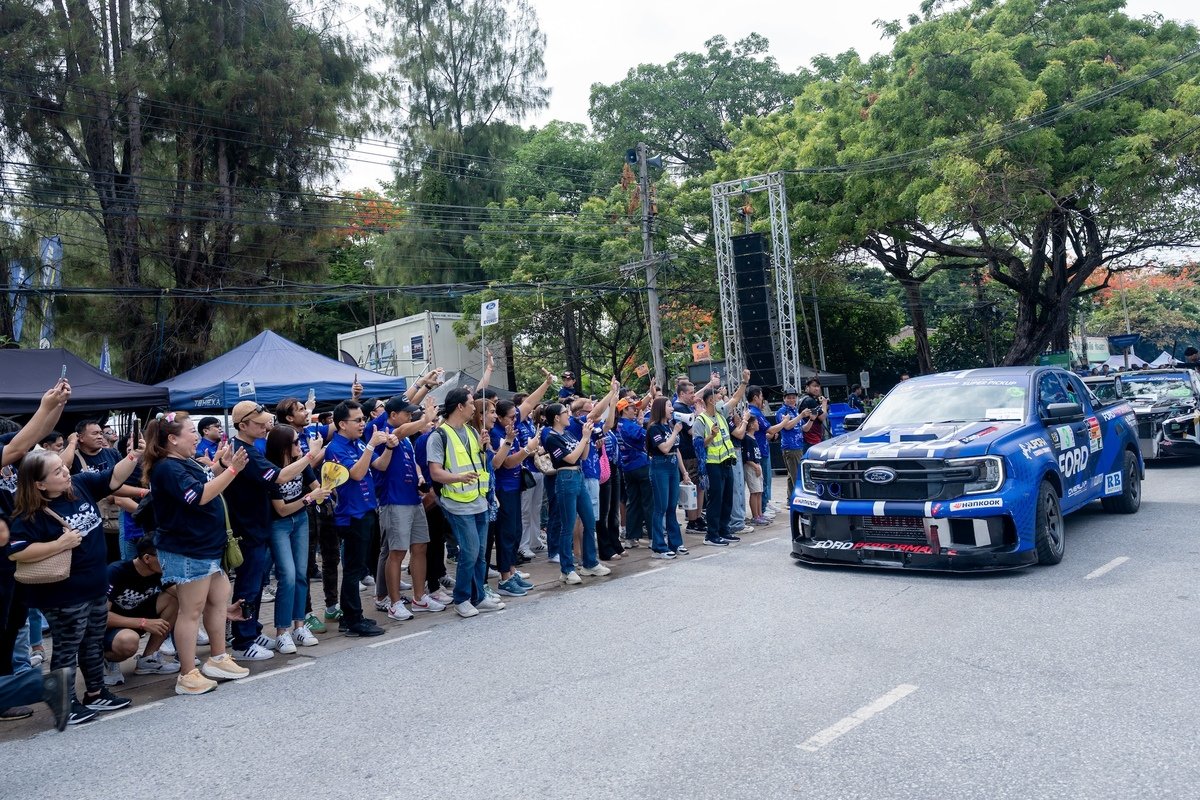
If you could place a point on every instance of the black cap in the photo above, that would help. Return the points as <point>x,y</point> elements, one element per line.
<point>399,404</point>
<point>568,375</point>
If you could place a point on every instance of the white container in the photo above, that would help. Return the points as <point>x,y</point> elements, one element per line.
<point>687,496</point>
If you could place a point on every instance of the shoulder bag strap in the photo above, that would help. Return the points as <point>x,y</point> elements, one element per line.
<point>54,515</point>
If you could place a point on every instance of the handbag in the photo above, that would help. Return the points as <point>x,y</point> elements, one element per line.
<point>605,467</point>
<point>233,557</point>
<point>542,461</point>
<point>51,569</point>
<point>527,480</point>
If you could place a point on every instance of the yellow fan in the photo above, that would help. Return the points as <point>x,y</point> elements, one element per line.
<point>333,475</point>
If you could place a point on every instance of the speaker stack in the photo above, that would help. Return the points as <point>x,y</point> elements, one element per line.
<point>750,271</point>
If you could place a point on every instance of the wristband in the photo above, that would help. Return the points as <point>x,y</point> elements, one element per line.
<point>232,470</point>
<point>132,456</point>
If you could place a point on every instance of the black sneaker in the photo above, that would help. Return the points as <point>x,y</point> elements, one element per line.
<point>56,691</point>
<point>106,701</point>
<point>80,714</point>
<point>730,537</point>
<point>717,542</point>
<point>692,527</point>
<point>363,627</point>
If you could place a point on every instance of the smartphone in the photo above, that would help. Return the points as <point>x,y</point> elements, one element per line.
<point>356,377</point>
<point>312,395</point>
<point>224,437</point>
<point>63,375</point>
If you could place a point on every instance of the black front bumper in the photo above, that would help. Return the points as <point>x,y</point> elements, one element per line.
<point>911,556</point>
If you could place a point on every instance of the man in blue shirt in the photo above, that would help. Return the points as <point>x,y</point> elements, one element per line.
<point>568,388</point>
<point>355,512</point>
<point>794,423</point>
<point>209,429</point>
<point>762,436</point>
<point>635,469</point>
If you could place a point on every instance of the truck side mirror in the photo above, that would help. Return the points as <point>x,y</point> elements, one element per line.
<point>1063,410</point>
<point>853,422</point>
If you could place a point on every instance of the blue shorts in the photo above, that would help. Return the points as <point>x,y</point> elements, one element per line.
<point>184,569</point>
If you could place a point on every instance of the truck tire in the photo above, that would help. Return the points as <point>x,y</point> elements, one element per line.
<point>1048,526</point>
<point>1130,498</point>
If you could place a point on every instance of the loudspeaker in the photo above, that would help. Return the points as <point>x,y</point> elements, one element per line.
<point>750,264</point>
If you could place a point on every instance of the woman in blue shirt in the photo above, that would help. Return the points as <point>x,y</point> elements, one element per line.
<point>666,474</point>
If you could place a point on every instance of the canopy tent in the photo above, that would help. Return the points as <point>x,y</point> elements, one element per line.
<point>1164,359</point>
<point>460,379</point>
<point>1116,362</point>
<point>269,368</point>
<point>29,373</point>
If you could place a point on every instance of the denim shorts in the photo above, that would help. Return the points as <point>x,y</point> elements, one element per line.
<point>183,569</point>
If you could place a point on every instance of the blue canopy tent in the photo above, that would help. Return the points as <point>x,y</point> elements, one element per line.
<point>269,368</point>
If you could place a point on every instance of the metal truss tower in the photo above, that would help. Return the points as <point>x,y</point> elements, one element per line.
<point>787,349</point>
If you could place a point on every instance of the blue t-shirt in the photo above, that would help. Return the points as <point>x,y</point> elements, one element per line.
<point>88,579</point>
<point>565,393</point>
<point>760,435</point>
<point>249,494</point>
<point>793,439</point>
<point>633,445</point>
<point>397,485</point>
<point>354,498</point>
<point>508,479</point>
<point>184,525</point>
<point>207,449</point>
<point>591,463</point>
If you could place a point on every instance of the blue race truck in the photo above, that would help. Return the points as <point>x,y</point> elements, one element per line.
<point>970,470</point>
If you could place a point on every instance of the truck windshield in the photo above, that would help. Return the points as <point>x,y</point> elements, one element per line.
<point>1154,387</point>
<point>950,401</point>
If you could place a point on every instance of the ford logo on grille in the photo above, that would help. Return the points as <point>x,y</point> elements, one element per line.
<point>879,475</point>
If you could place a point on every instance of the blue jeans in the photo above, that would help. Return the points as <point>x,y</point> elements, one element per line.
<point>471,574</point>
<point>130,533</point>
<point>738,516</point>
<point>22,688</point>
<point>20,654</point>
<point>553,519</point>
<point>247,587</point>
<point>766,468</point>
<point>508,528</point>
<point>37,623</point>
<point>289,548</point>
<point>574,500</point>
<point>664,523</point>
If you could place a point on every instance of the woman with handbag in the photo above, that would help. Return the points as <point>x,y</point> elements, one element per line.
<point>193,535</point>
<point>57,542</point>
<point>608,524</point>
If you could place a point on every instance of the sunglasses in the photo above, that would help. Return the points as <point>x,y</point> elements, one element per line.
<point>251,413</point>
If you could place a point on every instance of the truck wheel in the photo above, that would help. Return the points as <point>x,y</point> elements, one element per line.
<point>1130,498</point>
<point>1048,526</point>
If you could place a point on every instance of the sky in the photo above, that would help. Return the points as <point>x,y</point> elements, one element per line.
<point>599,42</point>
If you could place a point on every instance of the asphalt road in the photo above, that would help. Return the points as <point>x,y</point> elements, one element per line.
<point>732,673</point>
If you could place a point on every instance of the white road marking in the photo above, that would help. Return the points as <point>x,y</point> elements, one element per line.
<point>398,639</point>
<point>701,558</point>
<point>647,572</point>
<point>764,541</point>
<point>847,724</point>
<point>1109,567</point>
<point>273,673</point>
<point>128,711</point>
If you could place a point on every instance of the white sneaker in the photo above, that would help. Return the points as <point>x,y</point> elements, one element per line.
<point>286,644</point>
<point>112,673</point>
<point>167,648</point>
<point>571,578</point>
<point>255,652</point>
<point>268,593</point>
<point>369,581</point>
<point>405,585</point>
<point>399,612</point>
<point>201,638</point>
<point>266,642</point>
<point>155,665</point>
<point>446,582</point>
<point>465,609</point>
<point>668,555</point>
<point>428,603</point>
<point>442,597</point>
<point>598,571</point>
<point>492,574</point>
<point>382,604</point>
<point>553,559</point>
<point>304,637</point>
<point>524,575</point>
<point>527,553</point>
<point>362,587</point>
<point>489,604</point>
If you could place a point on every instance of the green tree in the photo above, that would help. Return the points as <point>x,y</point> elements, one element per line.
<point>1037,140</point>
<point>682,109</point>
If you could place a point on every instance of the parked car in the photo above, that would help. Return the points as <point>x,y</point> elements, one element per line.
<point>969,470</point>
<point>1104,387</point>
<point>1165,402</point>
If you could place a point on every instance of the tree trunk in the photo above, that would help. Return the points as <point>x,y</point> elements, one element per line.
<point>916,308</point>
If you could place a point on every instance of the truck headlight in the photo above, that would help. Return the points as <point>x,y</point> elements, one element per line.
<point>806,479</point>
<point>989,473</point>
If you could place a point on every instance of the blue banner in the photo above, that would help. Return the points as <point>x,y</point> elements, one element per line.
<point>1124,340</point>
<point>50,254</point>
<point>105,358</point>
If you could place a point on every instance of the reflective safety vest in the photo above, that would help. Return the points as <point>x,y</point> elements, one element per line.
<point>721,447</point>
<point>459,460</point>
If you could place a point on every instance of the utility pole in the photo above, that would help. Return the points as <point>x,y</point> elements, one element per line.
<point>651,263</point>
<point>817,322</point>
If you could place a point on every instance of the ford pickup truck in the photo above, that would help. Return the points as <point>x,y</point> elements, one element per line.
<point>971,470</point>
